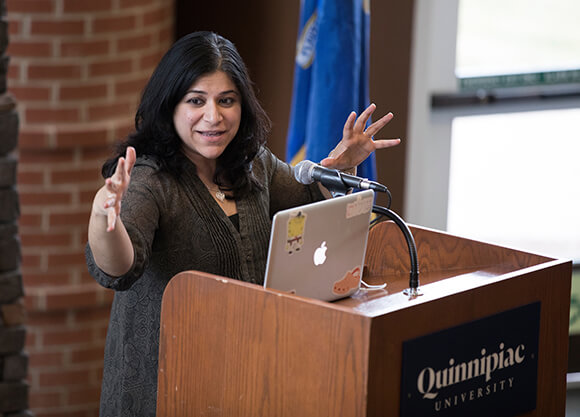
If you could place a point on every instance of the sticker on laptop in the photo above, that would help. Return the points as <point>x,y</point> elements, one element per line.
<point>358,207</point>
<point>295,232</point>
<point>349,282</point>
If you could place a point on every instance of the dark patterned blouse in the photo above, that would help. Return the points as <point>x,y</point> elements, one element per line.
<point>177,226</point>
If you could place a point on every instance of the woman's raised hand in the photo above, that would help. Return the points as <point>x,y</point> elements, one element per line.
<point>357,142</point>
<point>116,186</point>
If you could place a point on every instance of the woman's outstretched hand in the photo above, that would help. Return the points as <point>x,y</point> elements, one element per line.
<point>109,241</point>
<point>116,186</point>
<point>357,142</point>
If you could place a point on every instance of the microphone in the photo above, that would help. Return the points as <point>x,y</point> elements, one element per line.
<point>306,172</point>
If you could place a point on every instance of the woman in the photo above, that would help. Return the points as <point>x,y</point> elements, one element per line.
<point>200,196</point>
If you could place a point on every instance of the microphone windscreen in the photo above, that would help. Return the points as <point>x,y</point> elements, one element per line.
<point>303,172</point>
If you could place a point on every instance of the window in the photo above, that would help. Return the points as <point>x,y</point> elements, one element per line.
<point>493,154</point>
<point>515,180</point>
<point>517,36</point>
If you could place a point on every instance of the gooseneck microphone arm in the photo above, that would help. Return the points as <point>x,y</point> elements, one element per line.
<point>413,289</point>
<point>306,172</point>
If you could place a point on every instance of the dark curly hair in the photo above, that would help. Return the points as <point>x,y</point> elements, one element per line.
<point>193,56</point>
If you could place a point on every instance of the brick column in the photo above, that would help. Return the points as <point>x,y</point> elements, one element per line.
<point>77,69</point>
<point>13,359</point>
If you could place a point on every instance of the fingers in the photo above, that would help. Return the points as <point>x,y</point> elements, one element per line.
<point>374,128</point>
<point>113,184</point>
<point>334,163</point>
<point>349,125</point>
<point>116,185</point>
<point>111,220</point>
<point>357,143</point>
<point>123,171</point>
<point>364,117</point>
<point>120,170</point>
<point>358,124</point>
<point>113,208</point>
<point>328,162</point>
<point>386,143</point>
<point>119,181</point>
<point>110,201</point>
<point>122,174</point>
<point>130,157</point>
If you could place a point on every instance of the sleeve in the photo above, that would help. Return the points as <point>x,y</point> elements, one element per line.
<point>285,191</point>
<point>140,212</point>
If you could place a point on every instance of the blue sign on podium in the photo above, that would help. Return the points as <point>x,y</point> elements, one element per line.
<point>482,368</point>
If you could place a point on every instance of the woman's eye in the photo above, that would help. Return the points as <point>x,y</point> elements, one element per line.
<point>228,101</point>
<point>195,101</point>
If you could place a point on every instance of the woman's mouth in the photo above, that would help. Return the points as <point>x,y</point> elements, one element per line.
<point>211,133</point>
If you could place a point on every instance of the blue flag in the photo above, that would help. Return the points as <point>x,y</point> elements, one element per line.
<point>330,77</point>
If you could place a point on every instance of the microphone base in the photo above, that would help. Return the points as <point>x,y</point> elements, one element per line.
<point>412,292</point>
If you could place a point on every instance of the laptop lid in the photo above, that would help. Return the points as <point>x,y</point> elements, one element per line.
<point>317,250</point>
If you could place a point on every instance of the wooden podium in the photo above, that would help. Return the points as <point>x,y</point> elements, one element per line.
<point>229,348</point>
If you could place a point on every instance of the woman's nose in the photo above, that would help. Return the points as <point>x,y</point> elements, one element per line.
<point>212,112</point>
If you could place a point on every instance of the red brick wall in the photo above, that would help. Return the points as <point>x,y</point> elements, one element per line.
<point>77,69</point>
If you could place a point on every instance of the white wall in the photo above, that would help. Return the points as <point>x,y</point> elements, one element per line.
<point>433,70</point>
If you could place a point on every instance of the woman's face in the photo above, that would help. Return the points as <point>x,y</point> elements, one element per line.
<point>208,117</point>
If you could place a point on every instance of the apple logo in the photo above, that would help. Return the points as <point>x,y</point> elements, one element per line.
<point>320,254</point>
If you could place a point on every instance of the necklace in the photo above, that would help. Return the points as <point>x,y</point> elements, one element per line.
<point>219,194</point>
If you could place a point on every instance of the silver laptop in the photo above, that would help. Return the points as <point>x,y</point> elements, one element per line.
<point>318,250</point>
